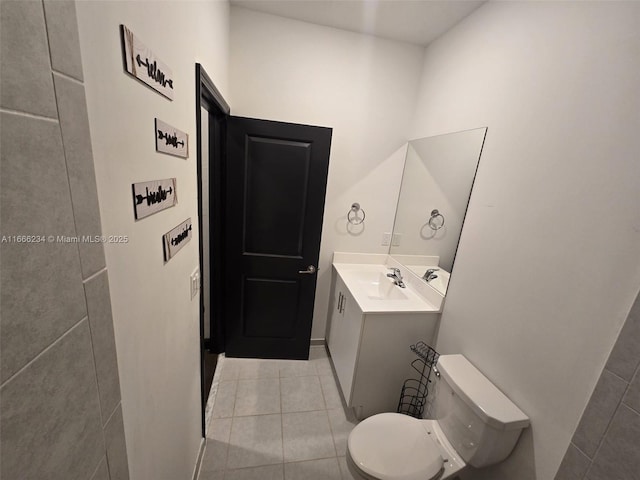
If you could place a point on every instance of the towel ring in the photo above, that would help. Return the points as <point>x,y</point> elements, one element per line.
<point>352,215</point>
<point>436,222</point>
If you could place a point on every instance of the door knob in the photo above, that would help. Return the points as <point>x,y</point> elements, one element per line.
<point>310,270</point>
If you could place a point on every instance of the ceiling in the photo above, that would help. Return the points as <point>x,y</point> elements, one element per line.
<point>414,21</point>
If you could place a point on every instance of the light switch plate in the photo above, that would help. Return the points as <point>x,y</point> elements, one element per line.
<point>195,283</point>
<point>397,239</point>
<point>386,239</point>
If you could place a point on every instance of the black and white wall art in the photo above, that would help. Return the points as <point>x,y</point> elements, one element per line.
<point>176,238</point>
<point>171,140</point>
<point>154,196</point>
<point>143,64</point>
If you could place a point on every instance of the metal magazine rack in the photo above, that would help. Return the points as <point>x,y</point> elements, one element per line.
<point>413,397</point>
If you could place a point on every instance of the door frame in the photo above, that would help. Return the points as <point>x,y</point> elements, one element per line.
<point>210,98</point>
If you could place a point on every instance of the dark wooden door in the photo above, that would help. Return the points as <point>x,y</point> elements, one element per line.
<point>276,177</point>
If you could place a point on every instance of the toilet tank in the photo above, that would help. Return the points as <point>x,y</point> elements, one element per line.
<point>480,422</point>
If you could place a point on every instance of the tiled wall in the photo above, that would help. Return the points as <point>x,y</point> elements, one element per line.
<point>606,444</point>
<point>60,413</point>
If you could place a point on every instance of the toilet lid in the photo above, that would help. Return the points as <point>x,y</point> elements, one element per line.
<point>393,446</point>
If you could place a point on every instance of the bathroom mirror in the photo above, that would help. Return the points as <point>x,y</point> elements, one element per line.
<point>436,186</point>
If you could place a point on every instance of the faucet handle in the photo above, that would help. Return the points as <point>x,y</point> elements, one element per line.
<point>395,271</point>
<point>428,273</point>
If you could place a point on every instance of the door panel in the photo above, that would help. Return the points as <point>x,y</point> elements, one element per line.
<point>275,188</point>
<point>270,307</point>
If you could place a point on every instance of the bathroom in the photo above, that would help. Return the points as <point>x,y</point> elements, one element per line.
<point>548,266</point>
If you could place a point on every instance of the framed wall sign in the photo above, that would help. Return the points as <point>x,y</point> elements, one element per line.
<point>171,140</point>
<point>175,239</point>
<point>154,196</point>
<point>143,64</point>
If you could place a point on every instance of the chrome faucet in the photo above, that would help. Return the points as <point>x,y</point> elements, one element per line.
<point>430,275</point>
<point>396,276</point>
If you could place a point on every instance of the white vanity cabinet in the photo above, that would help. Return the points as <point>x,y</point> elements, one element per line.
<point>370,349</point>
<point>344,336</point>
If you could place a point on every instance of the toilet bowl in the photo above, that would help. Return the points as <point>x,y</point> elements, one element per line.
<point>474,424</point>
<point>395,446</point>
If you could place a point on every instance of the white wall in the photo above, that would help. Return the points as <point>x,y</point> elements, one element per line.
<point>361,86</point>
<point>156,323</point>
<point>548,264</point>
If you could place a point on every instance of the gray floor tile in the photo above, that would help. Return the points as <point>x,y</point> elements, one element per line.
<point>215,454</point>
<point>257,397</point>
<point>344,469</point>
<point>258,444</point>
<point>297,368</point>
<point>255,441</point>
<point>231,368</point>
<point>301,394</point>
<point>208,409</point>
<point>307,436</point>
<point>50,414</point>
<point>319,356</point>
<point>258,368</point>
<point>330,391</point>
<point>341,425</point>
<point>220,429</point>
<point>323,366</point>
<point>225,399</point>
<point>270,472</point>
<point>317,351</point>
<point>324,469</point>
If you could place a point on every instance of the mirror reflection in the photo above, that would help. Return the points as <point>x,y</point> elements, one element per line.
<point>434,194</point>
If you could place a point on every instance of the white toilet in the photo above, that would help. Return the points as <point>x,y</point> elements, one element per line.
<point>476,424</point>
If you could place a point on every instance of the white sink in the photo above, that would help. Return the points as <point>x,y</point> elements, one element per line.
<point>375,292</point>
<point>381,287</point>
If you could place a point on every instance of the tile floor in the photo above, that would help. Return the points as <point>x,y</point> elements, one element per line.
<point>277,420</point>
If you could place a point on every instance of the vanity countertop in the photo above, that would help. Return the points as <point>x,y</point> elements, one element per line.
<point>376,293</point>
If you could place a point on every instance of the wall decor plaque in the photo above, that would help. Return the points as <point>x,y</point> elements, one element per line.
<point>176,238</point>
<point>154,196</point>
<point>171,140</point>
<point>142,63</point>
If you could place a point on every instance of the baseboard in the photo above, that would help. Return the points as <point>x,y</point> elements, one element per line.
<point>196,470</point>
<point>317,341</point>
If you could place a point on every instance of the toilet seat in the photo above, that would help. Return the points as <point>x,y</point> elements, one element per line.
<point>394,446</point>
